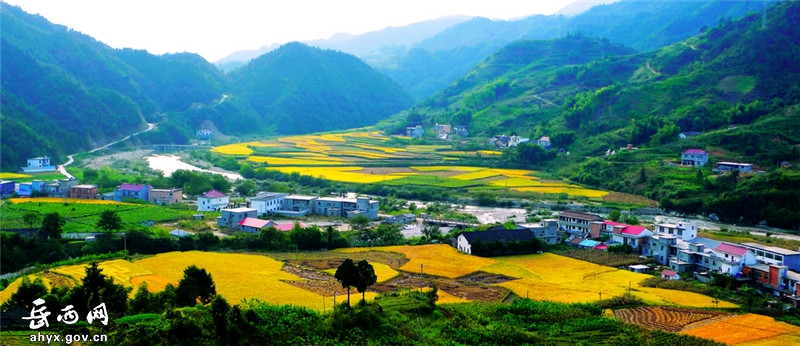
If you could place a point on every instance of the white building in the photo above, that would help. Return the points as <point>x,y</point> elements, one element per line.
<point>694,157</point>
<point>267,202</point>
<point>685,231</point>
<point>39,164</point>
<point>212,201</point>
<point>232,218</point>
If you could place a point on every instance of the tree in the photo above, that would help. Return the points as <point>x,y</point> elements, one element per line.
<point>31,219</point>
<point>309,238</point>
<point>195,284</point>
<point>27,292</point>
<point>366,278</point>
<point>388,234</point>
<point>631,220</point>
<point>51,226</point>
<point>109,221</point>
<point>219,313</point>
<point>431,231</point>
<point>96,288</point>
<point>359,223</point>
<point>143,301</point>
<point>614,215</point>
<point>246,188</point>
<point>348,275</point>
<point>90,175</point>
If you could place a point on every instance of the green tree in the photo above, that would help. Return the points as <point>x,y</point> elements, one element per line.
<point>90,175</point>
<point>31,219</point>
<point>614,215</point>
<point>26,293</point>
<point>109,221</point>
<point>246,188</point>
<point>366,278</point>
<point>431,231</point>
<point>51,226</point>
<point>143,301</point>
<point>348,275</point>
<point>387,234</point>
<point>196,284</point>
<point>359,223</point>
<point>631,220</point>
<point>219,313</point>
<point>97,288</point>
<point>309,238</point>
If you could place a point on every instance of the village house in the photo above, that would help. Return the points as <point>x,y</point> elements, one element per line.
<point>545,230</point>
<point>346,207</point>
<point>517,140</point>
<point>466,239</point>
<point>577,223</point>
<point>179,233</point>
<point>59,188</point>
<point>267,202</point>
<point>83,191</point>
<point>729,258</point>
<point>7,188</point>
<point>670,275</point>
<point>415,131</point>
<point>39,164</point>
<point>638,237</point>
<point>686,231</point>
<point>442,128</point>
<point>296,205</point>
<point>774,255</point>
<point>212,201</point>
<point>689,134</point>
<point>729,166</point>
<point>255,225</point>
<point>204,133</point>
<point>694,157</point>
<point>501,141</point>
<point>232,217</point>
<point>777,279</point>
<point>401,219</point>
<point>461,130</point>
<point>544,142</point>
<point>136,191</point>
<point>166,196</point>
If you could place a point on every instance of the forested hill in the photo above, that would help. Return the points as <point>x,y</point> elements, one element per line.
<point>642,25</point>
<point>737,83</point>
<point>64,92</point>
<point>300,89</point>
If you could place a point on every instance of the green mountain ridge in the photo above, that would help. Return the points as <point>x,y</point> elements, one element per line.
<point>64,92</point>
<point>737,83</point>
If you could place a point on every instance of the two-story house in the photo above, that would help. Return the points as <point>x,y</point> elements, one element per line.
<point>694,157</point>
<point>267,202</point>
<point>577,223</point>
<point>166,196</point>
<point>136,191</point>
<point>212,201</point>
<point>415,131</point>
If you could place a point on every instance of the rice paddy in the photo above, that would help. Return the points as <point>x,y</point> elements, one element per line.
<point>331,156</point>
<point>13,176</point>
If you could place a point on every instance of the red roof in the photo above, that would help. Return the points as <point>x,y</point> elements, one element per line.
<point>131,187</point>
<point>694,151</point>
<point>214,194</point>
<point>286,227</point>
<point>601,247</point>
<point>669,273</point>
<point>732,249</point>
<point>254,222</point>
<point>627,229</point>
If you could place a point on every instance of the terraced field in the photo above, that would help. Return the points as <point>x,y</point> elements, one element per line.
<point>364,157</point>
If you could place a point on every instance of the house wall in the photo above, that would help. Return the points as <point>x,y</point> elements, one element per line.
<point>267,206</point>
<point>212,204</point>
<point>463,244</point>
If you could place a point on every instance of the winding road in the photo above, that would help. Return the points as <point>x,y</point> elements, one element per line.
<point>63,170</point>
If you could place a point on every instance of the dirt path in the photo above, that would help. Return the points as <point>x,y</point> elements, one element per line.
<point>71,158</point>
<point>652,70</point>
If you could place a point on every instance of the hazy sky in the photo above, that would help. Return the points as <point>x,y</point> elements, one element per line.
<point>215,29</point>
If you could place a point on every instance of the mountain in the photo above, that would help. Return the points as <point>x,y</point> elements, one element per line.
<point>64,92</point>
<point>300,89</point>
<point>579,7</point>
<point>642,25</point>
<point>373,47</point>
<point>737,83</point>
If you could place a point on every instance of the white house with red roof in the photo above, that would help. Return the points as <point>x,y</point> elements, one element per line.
<point>137,191</point>
<point>212,201</point>
<point>635,236</point>
<point>254,225</point>
<point>729,258</point>
<point>670,274</point>
<point>694,157</point>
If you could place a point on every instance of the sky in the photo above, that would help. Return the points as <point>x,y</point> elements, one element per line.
<point>215,29</point>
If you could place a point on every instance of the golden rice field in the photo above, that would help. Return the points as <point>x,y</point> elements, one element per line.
<point>749,329</point>
<point>8,175</point>
<point>544,276</point>
<point>62,200</point>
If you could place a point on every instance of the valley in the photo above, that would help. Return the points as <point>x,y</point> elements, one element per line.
<point>623,174</point>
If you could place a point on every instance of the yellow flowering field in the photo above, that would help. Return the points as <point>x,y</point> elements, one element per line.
<point>490,152</point>
<point>62,200</point>
<point>237,276</point>
<point>748,329</point>
<point>121,271</point>
<point>8,175</point>
<point>272,160</point>
<point>384,149</point>
<point>362,154</point>
<point>425,148</point>
<point>343,174</point>
<point>516,182</point>
<point>572,191</point>
<point>447,168</point>
<point>233,149</point>
<point>436,259</point>
<point>12,287</point>
<point>477,175</point>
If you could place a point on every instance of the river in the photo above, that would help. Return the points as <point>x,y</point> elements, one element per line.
<point>171,163</point>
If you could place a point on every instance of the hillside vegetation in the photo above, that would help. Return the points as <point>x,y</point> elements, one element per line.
<point>729,82</point>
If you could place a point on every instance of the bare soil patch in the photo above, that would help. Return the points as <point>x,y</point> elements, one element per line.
<point>668,319</point>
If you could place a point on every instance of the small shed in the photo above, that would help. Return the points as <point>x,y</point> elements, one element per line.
<point>199,216</point>
<point>588,244</point>
<point>638,268</point>
<point>179,233</point>
<point>670,275</point>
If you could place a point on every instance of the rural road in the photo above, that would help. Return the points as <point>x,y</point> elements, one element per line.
<point>63,170</point>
